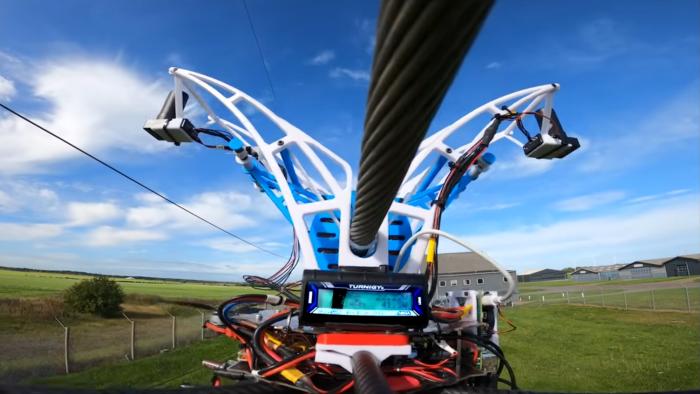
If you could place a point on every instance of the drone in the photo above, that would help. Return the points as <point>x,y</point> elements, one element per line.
<point>365,315</point>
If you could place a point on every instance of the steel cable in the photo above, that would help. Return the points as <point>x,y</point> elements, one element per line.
<point>420,46</point>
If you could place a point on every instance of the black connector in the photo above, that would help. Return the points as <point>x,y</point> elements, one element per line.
<point>552,143</point>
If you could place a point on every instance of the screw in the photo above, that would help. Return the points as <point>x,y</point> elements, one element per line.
<point>280,142</point>
<point>448,150</point>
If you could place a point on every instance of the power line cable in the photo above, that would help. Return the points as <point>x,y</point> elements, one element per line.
<point>260,51</point>
<point>90,155</point>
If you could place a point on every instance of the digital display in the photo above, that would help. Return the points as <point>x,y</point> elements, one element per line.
<point>339,301</point>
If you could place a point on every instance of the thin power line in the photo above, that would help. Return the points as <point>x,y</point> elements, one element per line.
<point>90,155</point>
<point>260,51</point>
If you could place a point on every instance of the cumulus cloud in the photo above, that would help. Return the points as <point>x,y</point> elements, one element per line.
<point>28,231</point>
<point>664,228</point>
<point>323,57</point>
<point>88,213</point>
<point>7,89</point>
<point>99,105</point>
<point>493,65</point>
<point>109,236</point>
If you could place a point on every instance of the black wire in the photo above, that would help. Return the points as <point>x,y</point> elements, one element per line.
<point>90,155</point>
<point>257,336</point>
<point>260,51</point>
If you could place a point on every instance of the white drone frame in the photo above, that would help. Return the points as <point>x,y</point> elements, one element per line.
<point>230,97</point>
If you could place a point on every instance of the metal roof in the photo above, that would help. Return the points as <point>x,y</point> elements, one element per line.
<point>459,263</point>
<point>537,271</point>
<point>600,268</point>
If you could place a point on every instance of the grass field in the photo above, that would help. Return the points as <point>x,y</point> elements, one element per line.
<point>15,284</point>
<point>576,348</point>
<point>534,287</point>
<point>169,370</point>
<point>660,299</point>
<point>555,348</point>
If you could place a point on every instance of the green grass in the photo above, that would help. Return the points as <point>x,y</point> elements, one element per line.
<point>168,370</point>
<point>15,284</point>
<point>535,287</point>
<point>664,298</point>
<point>555,348</point>
<point>589,349</point>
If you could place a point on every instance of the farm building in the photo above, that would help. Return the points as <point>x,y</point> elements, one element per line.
<point>683,265</point>
<point>601,272</point>
<point>662,268</point>
<point>459,272</point>
<point>541,275</point>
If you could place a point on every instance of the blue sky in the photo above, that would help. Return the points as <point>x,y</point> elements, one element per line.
<point>93,72</point>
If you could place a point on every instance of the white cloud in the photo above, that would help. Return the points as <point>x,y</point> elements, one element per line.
<point>109,236</point>
<point>88,213</point>
<point>666,228</point>
<point>28,231</point>
<point>357,75</point>
<point>494,65</point>
<point>673,122</point>
<point>323,57</point>
<point>588,201</point>
<point>228,244</point>
<point>652,197</point>
<point>18,195</point>
<point>7,89</point>
<point>98,105</point>
<point>228,209</point>
<point>520,166</point>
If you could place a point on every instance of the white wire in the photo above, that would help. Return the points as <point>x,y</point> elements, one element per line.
<point>410,241</point>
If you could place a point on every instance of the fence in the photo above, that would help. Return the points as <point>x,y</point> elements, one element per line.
<point>57,347</point>
<point>682,299</point>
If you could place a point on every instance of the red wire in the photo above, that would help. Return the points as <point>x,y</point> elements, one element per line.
<point>289,364</point>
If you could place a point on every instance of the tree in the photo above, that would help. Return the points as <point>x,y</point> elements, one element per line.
<point>98,296</point>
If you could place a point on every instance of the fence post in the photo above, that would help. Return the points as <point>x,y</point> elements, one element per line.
<point>66,344</point>
<point>568,299</point>
<point>202,330</point>
<point>174,323</point>
<point>131,337</point>
<point>653,301</point>
<point>528,298</point>
<point>583,295</point>
<point>687,298</point>
<point>624,293</point>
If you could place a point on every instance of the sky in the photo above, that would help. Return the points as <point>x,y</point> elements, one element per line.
<point>94,71</point>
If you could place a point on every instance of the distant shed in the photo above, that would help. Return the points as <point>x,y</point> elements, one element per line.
<point>640,269</point>
<point>683,265</point>
<point>541,275</point>
<point>600,272</point>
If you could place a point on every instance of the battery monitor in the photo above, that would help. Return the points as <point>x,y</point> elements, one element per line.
<point>364,298</point>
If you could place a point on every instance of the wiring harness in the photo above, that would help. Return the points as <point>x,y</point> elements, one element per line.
<point>273,349</point>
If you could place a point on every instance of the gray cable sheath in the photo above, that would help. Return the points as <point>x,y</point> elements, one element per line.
<point>420,46</point>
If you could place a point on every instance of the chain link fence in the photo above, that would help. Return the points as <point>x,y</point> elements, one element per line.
<point>48,347</point>
<point>683,299</point>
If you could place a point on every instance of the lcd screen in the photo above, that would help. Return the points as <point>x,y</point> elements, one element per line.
<point>364,303</point>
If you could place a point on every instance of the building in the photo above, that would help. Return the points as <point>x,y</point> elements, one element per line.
<point>683,265</point>
<point>542,275</point>
<point>459,272</point>
<point>661,268</point>
<point>600,272</point>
